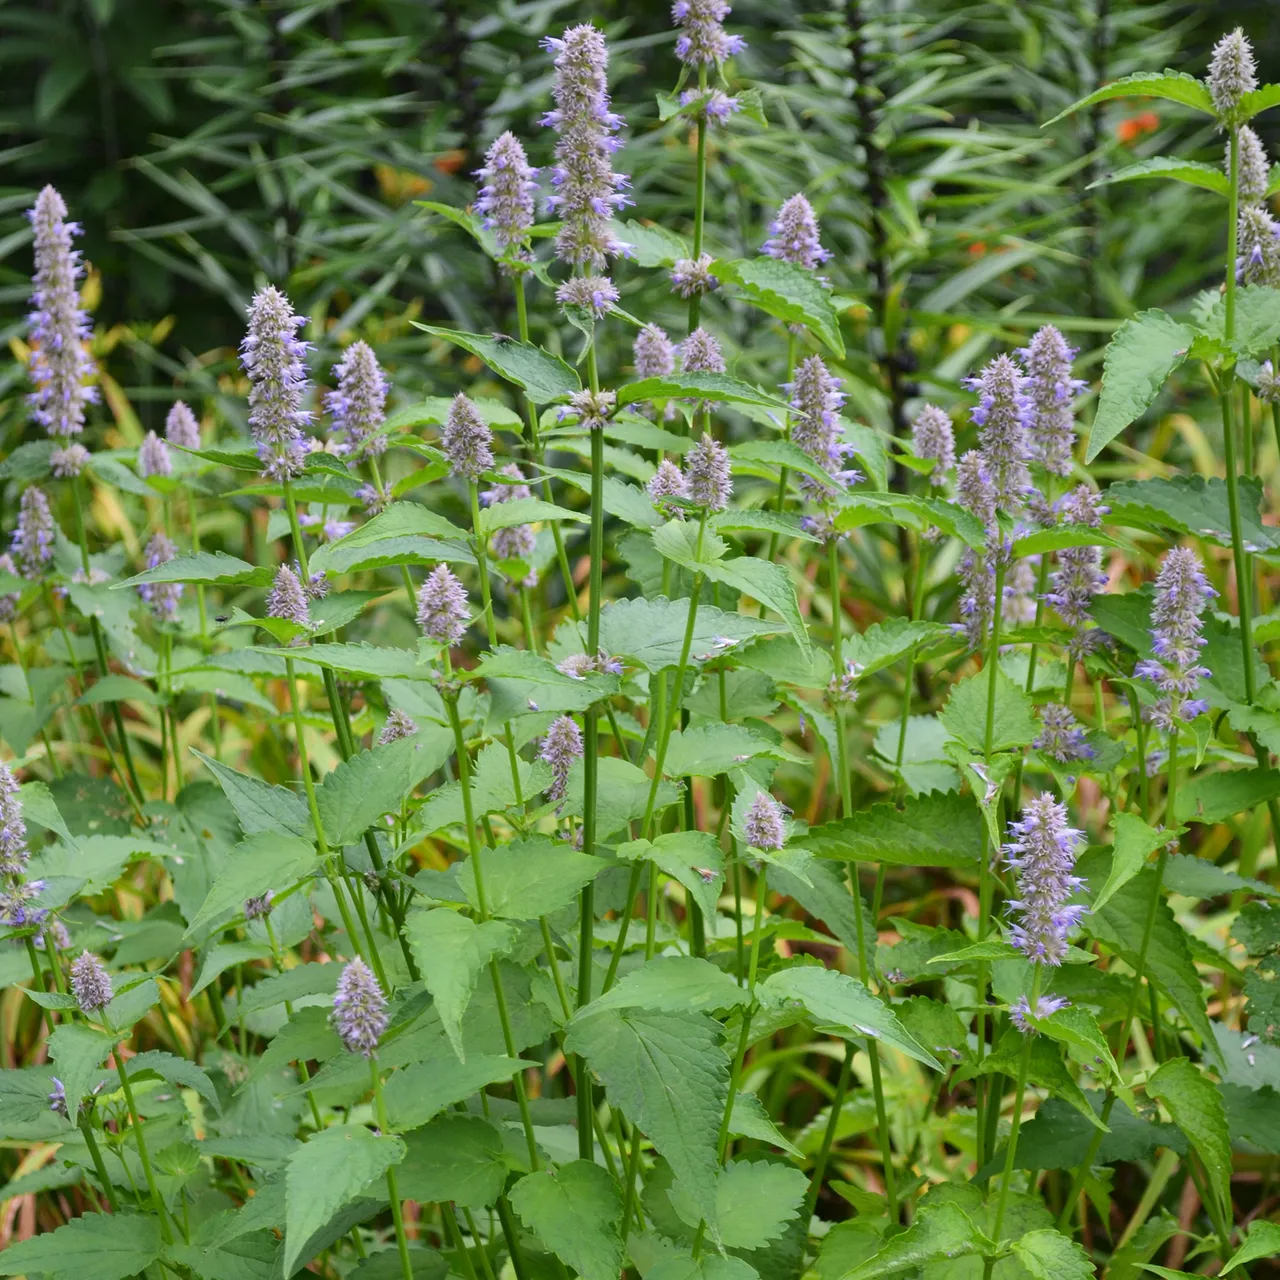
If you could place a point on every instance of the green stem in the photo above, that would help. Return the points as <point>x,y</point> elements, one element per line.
<point>99,1165</point>
<point>699,196</point>
<point>780,500</point>
<point>143,1154</point>
<point>397,1217</point>
<point>1020,1092</point>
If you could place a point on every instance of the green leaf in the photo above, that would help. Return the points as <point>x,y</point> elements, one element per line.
<point>1059,1137</point>
<point>1078,1029</point>
<point>651,245</point>
<point>452,951</point>
<point>835,1001</point>
<point>1138,360</point>
<point>965,714</point>
<point>672,984</point>
<point>1199,878</point>
<point>260,862</point>
<point>750,1120</point>
<point>210,568</point>
<point>366,661</point>
<point>787,292</point>
<point>116,688</point>
<point>938,1233</point>
<point>77,1052</point>
<point>650,632</point>
<point>692,858</point>
<point>1046,1068</point>
<point>419,1092</point>
<point>884,643</point>
<point>260,806</point>
<point>703,386</point>
<point>1195,1104</point>
<point>40,808</point>
<point>1215,797</point>
<point>755,1200</point>
<point>1049,1255</point>
<point>1059,538</point>
<point>529,878</point>
<point>519,680</point>
<point>707,750</point>
<point>932,830</point>
<point>326,1172</point>
<point>455,1157</point>
<point>1257,321</point>
<point>1135,841</point>
<point>1195,505</point>
<point>544,377</point>
<point>177,1071</point>
<point>97,1246</point>
<point>668,1073</point>
<point>767,582</point>
<point>576,1211</point>
<point>1208,176</point>
<point>355,794</point>
<point>506,515</point>
<point>1263,1241</point>
<point>1175,86</point>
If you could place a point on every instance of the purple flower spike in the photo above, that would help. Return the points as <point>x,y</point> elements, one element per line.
<point>398,725</point>
<point>60,366</point>
<point>704,40</point>
<point>1232,74</point>
<point>271,354</point>
<point>654,352</point>
<point>1004,413</point>
<point>287,598</point>
<point>933,437</point>
<point>708,475</point>
<point>764,825</point>
<point>560,748</point>
<point>1043,854</point>
<point>359,406</point>
<point>505,201</point>
<point>32,543</point>
<point>716,107</point>
<point>13,830</point>
<point>1182,594</point>
<point>442,607</point>
<point>359,1009</point>
<point>1258,242</point>
<point>692,278</point>
<point>666,483</point>
<point>256,908</point>
<point>181,427</point>
<point>793,234</point>
<point>1061,735</point>
<point>90,983</point>
<point>978,598</point>
<point>163,597</point>
<point>816,398</point>
<point>596,294</point>
<point>466,439</point>
<point>587,191</point>
<point>1046,1006</point>
<point>68,462</point>
<point>8,600</point>
<point>974,488</point>
<point>153,457</point>
<point>701,353</point>
<point>1052,389</point>
<point>1253,170</point>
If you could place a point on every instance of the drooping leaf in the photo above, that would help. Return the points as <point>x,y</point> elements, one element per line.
<point>707,750</point>
<point>455,1157</point>
<point>1263,1241</point>
<point>177,1071</point>
<point>1195,505</point>
<point>260,806</point>
<point>544,377</point>
<point>97,1246</point>
<point>1135,841</point>
<point>262,861</point>
<point>703,386</point>
<point>1215,797</point>
<point>692,858</point>
<point>674,984</point>
<point>206,568</point>
<point>1175,86</point>
<point>1193,172</point>
<point>506,515</point>
<point>786,291</point>
<point>1195,1103</point>
<point>932,830</point>
<point>965,714</point>
<point>528,878</point>
<point>576,1211</point>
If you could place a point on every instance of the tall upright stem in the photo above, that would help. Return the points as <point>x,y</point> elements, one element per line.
<point>393,1192</point>
<point>699,196</point>
<point>143,1155</point>
<point>1019,1096</point>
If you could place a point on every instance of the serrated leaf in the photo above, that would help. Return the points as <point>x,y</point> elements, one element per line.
<point>419,1092</point>
<point>332,1168</point>
<point>97,1246</point>
<point>1049,1255</point>
<point>650,632</point>
<point>359,790</point>
<point>545,377</point>
<point>668,1074</point>
<point>1045,1068</point>
<point>259,806</point>
<point>652,245</point>
<point>177,1071</point>
<point>1195,1104</point>
<point>755,1200</point>
<point>366,661</point>
<point>210,568</point>
<point>965,714</point>
<point>939,1233</point>
<point>1134,842</point>
<point>1059,538</point>
<point>40,808</point>
<point>506,515</point>
<point>528,878</point>
<point>707,750</point>
<point>692,858</point>
<point>703,386</point>
<point>452,951</point>
<point>77,1052</point>
<point>674,984</point>
<point>1263,1241</point>
<point>1175,86</point>
<point>750,1120</point>
<point>1256,324</point>
<point>884,643</point>
<point>1193,172</point>
<point>576,1211</point>
<point>455,1157</point>
<point>1196,505</point>
<point>1215,797</point>
<point>1138,361</point>
<point>262,861</point>
<point>786,291</point>
<point>932,830</point>
<point>834,1000</point>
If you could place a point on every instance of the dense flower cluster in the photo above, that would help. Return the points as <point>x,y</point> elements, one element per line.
<point>596,294</point>
<point>505,201</point>
<point>1232,73</point>
<point>90,983</point>
<point>1052,390</point>
<point>68,461</point>
<point>1079,576</point>
<point>272,354</point>
<point>1182,593</point>
<point>399,724</point>
<point>181,427</point>
<point>1043,855</point>
<point>707,474</point>
<point>1258,244</point>
<point>933,438</point>
<point>764,826</point>
<point>163,597</point>
<point>466,439</point>
<point>794,234</point>
<point>816,398</point>
<point>1004,413</point>
<point>153,457</point>
<point>1253,171</point>
<point>1061,735</point>
<point>287,599</point>
<point>704,39</point>
<point>560,748</point>
<point>692,278</point>
<point>32,544</point>
<point>359,406</point>
<point>442,607</point>
<point>60,366</point>
<point>359,1009</point>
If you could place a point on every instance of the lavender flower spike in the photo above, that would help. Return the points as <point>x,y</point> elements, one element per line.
<point>816,398</point>
<point>654,353</point>
<point>1182,592</point>
<point>287,598</point>
<point>90,983</point>
<point>1078,577</point>
<point>594,408</point>
<point>1004,413</point>
<point>466,439</point>
<point>1253,172</point>
<point>398,725</point>
<point>68,462</point>
<point>506,199</point>
<point>163,597</point>
<point>442,607</point>
<point>60,367</point>
<point>793,234</point>
<point>359,406</point>
<point>701,353</point>
<point>1258,242</point>
<point>933,437</point>
<point>359,1009</point>
<point>1046,1006</point>
<point>560,748</point>
<point>271,354</point>
<point>1232,74</point>
<point>1061,736</point>
<point>1043,854</point>
<point>596,294</point>
<point>708,475</point>
<point>181,427</point>
<point>32,543</point>
<point>9,600</point>
<point>13,830</point>
<point>587,191</point>
<point>974,488</point>
<point>1051,430</point>
<point>704,39</point>
<point>519,541</point>
<point>764,826</point>
<point>691,277</point>
<point>668,481</point>
<point>153,457</point>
